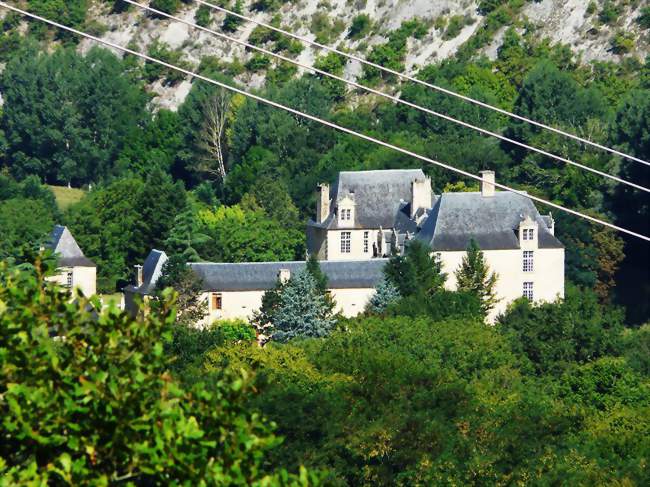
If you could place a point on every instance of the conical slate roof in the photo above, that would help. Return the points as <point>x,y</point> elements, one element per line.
<point>66,248</point>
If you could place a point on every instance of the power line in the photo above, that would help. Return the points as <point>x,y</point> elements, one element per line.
<point>389,97</point>
<point>321,121</point>
<point>428,85</point>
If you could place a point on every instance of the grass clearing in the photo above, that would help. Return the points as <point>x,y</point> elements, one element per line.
<point>66,197</point>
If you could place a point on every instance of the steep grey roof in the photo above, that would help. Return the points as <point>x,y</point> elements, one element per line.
<point>258,276</point>
<point>62,243</point>
<point>491,221</point>
<point>379,195</point>
<point>151,272</point>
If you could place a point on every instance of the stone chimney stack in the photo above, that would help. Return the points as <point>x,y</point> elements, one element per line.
<point>284,275</point>
<point>421,195</point>
<point>139,277</point>
<point>322,202</point>
<point>487,183</point>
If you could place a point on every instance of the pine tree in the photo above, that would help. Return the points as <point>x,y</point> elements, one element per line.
<point>417,271</point>
<point>313,267</point>
<point>474,276</point>
<point>303,311</point>
<point>185,236</point>
<point>385,295</point>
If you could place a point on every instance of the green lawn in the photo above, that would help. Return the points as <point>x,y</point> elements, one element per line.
<point>67,196</point>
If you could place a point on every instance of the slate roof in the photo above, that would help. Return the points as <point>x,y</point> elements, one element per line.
<point>492,221</point>
<point>379,196</point>
<point>62,243</point>
<point>258,276</point>
<point>151,272</point>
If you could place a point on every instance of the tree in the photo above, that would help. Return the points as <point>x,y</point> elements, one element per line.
<point>386,294</point>
<point>417,272</point>
<point>213,136</point>
<point>176,274</point>
<point>72,127</point>
<point>474,276</point>
<point>552,336</point>
<point>245,235</point>
<point>185,236</point>
<point>21,234</point>
<point>302,311</point>
<point>313,267</point>
<point>98,405</point>
<point>232,22</point>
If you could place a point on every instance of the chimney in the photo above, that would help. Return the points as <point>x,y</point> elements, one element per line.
<point>487,183</point>
<point>420,195</point>
<point>139,279</point>
<point>322,202</point>
<point>284,275</point>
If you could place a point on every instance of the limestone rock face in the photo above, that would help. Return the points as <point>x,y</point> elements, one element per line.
<point>562,21</point>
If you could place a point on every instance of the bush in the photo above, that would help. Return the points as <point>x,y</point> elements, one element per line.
<point>96,405</point>
<point>203,16</point>
<point>360,27</point>
<point>622,43</point>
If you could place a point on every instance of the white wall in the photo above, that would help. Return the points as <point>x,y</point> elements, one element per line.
<point>242,304</point>
<point>83,278</point>
<point>547,275</point>
<point>235,304</point>
<point>356,245</point>
<point>351,302</point>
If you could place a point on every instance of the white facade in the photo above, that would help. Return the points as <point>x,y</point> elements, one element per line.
<point>243,304</point>
<point>79,278</point>
<point>547,276</point>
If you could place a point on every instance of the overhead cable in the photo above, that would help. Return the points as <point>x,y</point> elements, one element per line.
<point>313,118</point>
<point>425,83</point>
<point>387,96</point>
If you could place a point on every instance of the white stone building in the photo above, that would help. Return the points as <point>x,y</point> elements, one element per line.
<point>370,213</point>
<point>74,269</point>
<point>236,290</point>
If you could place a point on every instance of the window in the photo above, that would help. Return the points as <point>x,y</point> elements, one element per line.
<point>345,242</point>
<point>346,214</point>
<point>528,233</point>
<point>217,301</point>
<point>528,290</point>
<point>528,261</point>
<point>68,280</point>
<point>366,243</point>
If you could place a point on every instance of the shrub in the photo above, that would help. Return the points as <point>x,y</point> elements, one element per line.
<point>96,404</point>
<point>360,27</point>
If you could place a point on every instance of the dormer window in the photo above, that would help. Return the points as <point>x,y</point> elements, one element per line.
<point>346,212</point>
<point>528,233</point>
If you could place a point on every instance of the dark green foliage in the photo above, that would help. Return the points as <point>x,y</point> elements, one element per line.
<point>72,128</point>
<point>487,6</point>
<point>417,272</point>
<point>644,18</point>
<point>99,406</point>
<point>154,71</point>
<point>554,336</point>
<point>610,12</point>
<point>203,15</point>
<point>118,225</point>
<point>474,276</point>
<point>232,22</point>
<point>441,305</point>
<point>168,6</point>
<point>23,236</point>
<point>313,267</point>
<point>68,12</point>
<point>360,27</point>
